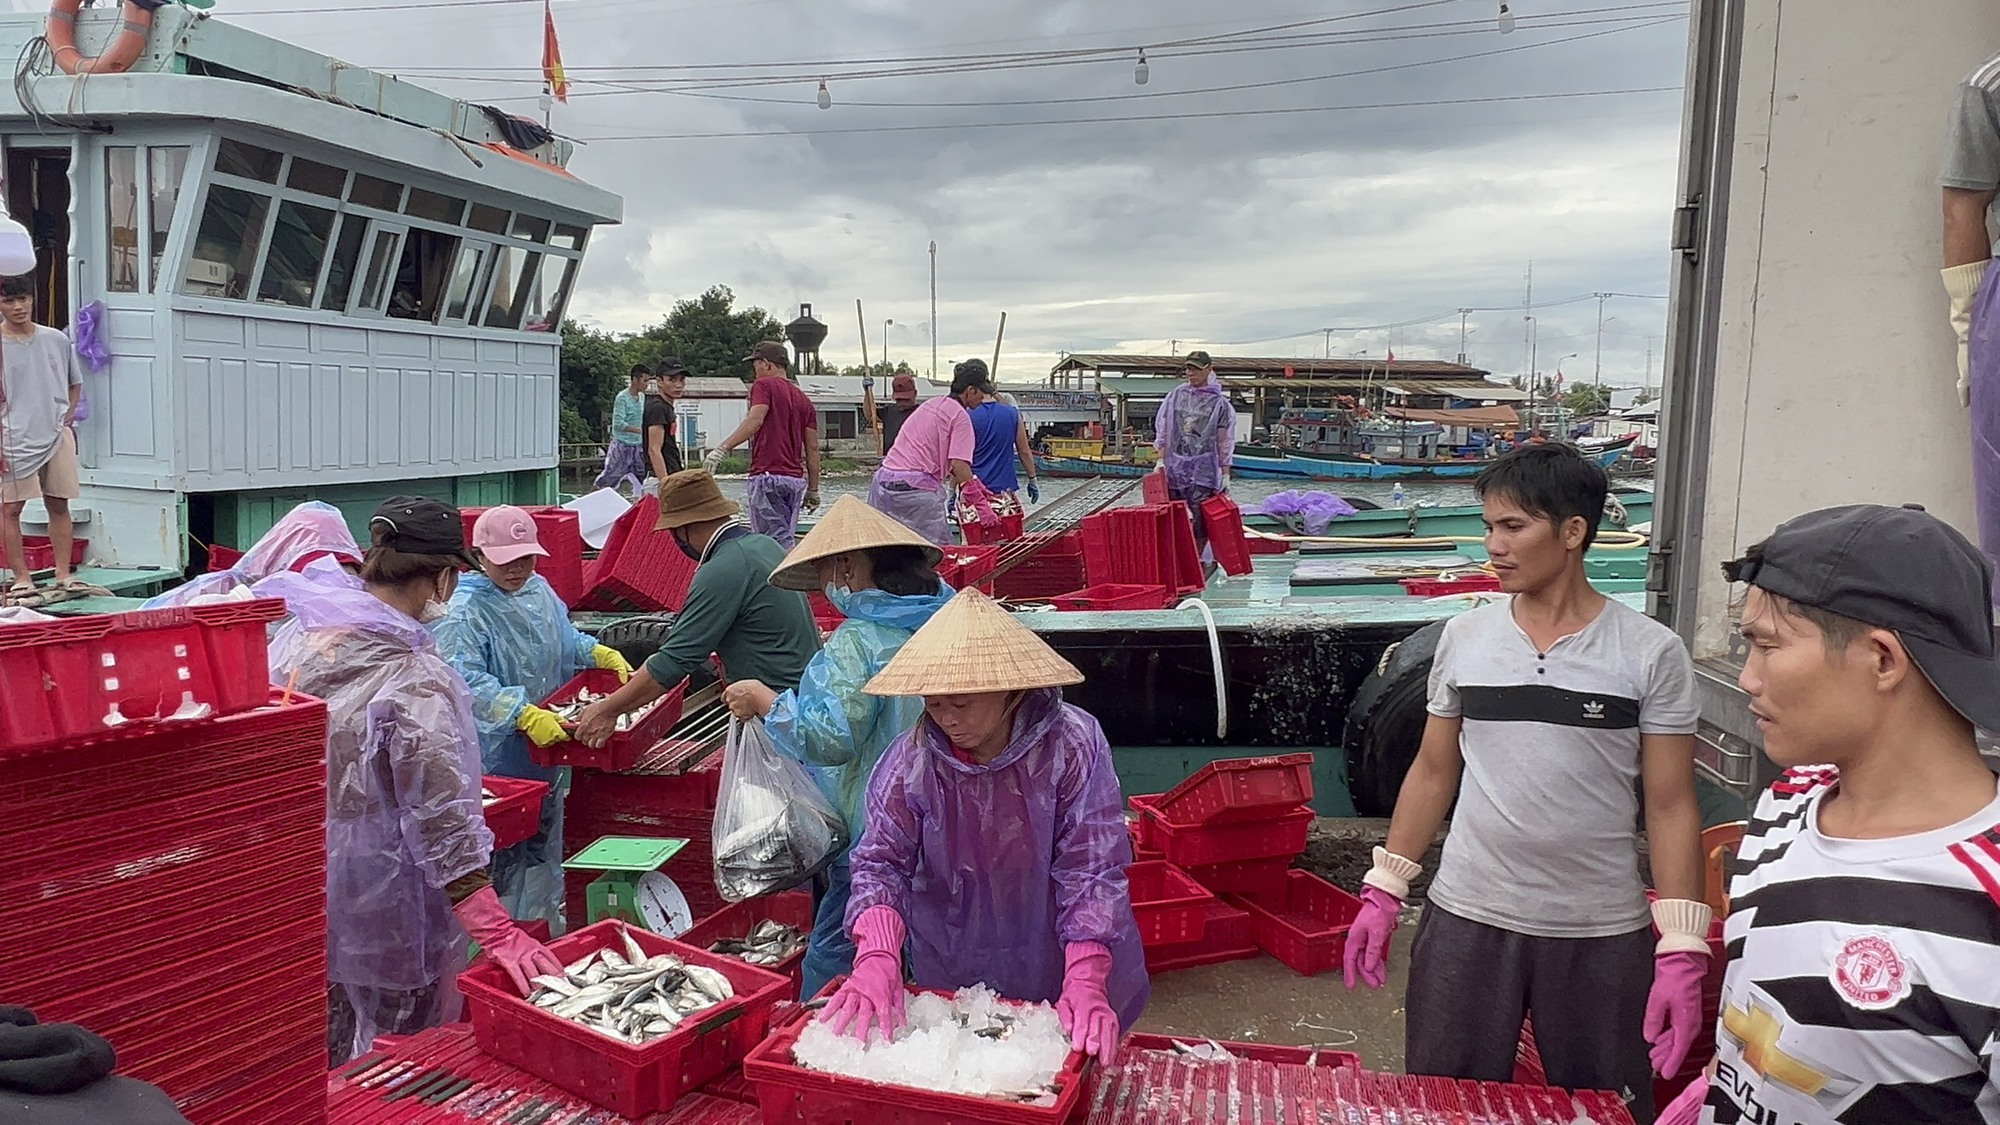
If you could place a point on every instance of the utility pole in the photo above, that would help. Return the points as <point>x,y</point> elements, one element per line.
<point>1462,314</point>
<point>934,323</point>
<point>1327,349</point>
<point>885,344</point>
<point>1597,374</point>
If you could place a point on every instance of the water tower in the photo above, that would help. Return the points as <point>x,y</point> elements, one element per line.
<point>806,335</point>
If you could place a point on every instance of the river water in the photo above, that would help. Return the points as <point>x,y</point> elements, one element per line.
<point>1247,492</point>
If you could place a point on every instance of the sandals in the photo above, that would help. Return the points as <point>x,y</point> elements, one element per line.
<point>21,588</point>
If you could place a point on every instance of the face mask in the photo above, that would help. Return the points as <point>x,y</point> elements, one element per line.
<point>686,547</point>
<point>433,612</point>
<point>840,596</point>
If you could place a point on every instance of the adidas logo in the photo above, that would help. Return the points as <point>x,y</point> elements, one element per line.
<point>1592,709</point>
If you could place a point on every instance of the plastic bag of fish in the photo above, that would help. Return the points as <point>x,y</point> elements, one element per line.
<point>773,827</point>
<point>766,945</point>
<point>630,996</point>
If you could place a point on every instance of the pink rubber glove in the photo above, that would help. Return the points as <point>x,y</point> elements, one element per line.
<point>523,957</point>
<point>1673,1009</point>
<point>873,993</point>
<point>1085,1008</point>
<point>1368,939</point>
<point>1686,1109</point>
<point>975,493</point>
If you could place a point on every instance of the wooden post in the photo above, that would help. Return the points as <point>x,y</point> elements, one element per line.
<point>997,337</point>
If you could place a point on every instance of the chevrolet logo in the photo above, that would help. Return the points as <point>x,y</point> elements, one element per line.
<point>1757,1031</point>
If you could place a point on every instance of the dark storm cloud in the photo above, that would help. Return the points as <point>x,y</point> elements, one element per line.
<point>1250,231</point>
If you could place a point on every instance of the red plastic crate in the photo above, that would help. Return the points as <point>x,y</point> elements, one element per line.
<point>791,908</point>
<point>640,570</point>
<point>1462,584</point>
<point>1225,534</point>
<point>1153,487</point>
<point>968,565</point>
<point>1140,852</point>
<point>824,615</point>
<point>1055,567</point>
<point>1262,1052</point>
<point>221,558</point>
<point>119,671</point>
<point>791,1093</point>
<point>1238,789</point>
<point>41,553</point>
<point>1244,876</point>
<point>1226,936</point>
<point>1171,907</point>
<point>1257,545</point>
<point>628,1079</point>
<point>1150,544</point>
<point>1307,928</point>
<point>622,750</point>
<point>1282,834</point>
<point>516,811</point>
<point>1115,596</point>
<point>1006,531</point>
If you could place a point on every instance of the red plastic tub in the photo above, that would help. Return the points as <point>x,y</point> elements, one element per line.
<point>1006,531</point>
<point>516,810</point>
<point>121,671</point>
<point>1225,534</point>
<point>221,558</point>
<point>1170,906</point>
<point>1226,936</point>
<point>1264,876</point>
<point>1112,595</point>
<point>969,565</point>
<point>791,908</point>
<point>1307,928</point>
<point>791,1093</point>
<point>1140,852</point>
<point>640,570</point>
<point>1462,584</point>
<point>1238,789</point>
<point>630,1080</point>
<point>622,750</point>
<point>1153,487</point>
<point>42,553</point>
<point>1282,834</point>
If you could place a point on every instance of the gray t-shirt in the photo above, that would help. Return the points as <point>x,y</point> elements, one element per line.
<point>1543,841</point>
<point>35,376</point>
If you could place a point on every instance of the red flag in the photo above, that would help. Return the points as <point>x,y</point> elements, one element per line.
<point>552,64</point>
<point>1392,355</point>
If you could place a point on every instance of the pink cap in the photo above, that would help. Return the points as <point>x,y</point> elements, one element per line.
<point>505,534</point>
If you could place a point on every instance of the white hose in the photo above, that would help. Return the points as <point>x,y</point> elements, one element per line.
<point>1215,653</point>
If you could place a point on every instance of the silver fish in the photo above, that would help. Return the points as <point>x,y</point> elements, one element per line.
<point>630,996</point>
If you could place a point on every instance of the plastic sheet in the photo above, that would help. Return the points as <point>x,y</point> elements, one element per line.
<point>916,500</point>
<point>1307,511</point>
<point>304,540</point>
<point>773,830</point>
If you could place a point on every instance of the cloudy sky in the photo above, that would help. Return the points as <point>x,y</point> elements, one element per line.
<point>1290,165</point>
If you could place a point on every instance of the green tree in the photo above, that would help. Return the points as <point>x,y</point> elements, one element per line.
<point>1587,398</point>
<point>709,334</point>
<point>594,368</point>
<point>878,369</point>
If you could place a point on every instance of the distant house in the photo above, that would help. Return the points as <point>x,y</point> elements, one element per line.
<point>709,410</point>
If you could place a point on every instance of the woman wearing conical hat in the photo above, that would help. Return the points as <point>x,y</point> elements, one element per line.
<point>883,577</point>
<point>994,840</point>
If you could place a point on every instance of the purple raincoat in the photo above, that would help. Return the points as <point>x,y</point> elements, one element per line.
<point>1195,432</point>
<point>1983,348</point>
<point>996,868</point>
<point>312,536</point>
<point>773,503</point>
<point>403,813</point>
<point>914,499</point>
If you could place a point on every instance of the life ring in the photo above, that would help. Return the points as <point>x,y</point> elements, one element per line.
<point>119,56</point>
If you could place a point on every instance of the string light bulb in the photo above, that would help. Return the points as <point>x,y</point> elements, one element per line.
<point>825,96</point>
<point>1141,72</point>
<point>1506,18</point>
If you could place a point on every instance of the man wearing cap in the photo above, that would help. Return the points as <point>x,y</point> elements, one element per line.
<point>663,451</point>
<point>889,419</point>
<point>1864,929</point>
<point>783,431</point>
<point>759,631</point>
<point>1195,434</point>
<point>933,453</point>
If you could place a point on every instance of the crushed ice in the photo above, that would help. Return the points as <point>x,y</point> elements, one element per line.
<point>971,1043</point>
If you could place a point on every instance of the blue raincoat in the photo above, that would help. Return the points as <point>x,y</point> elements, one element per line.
<point>996,868</point>
<point>514,650</point>
<point>840,732</point>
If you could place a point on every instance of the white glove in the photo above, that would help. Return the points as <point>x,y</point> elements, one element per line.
<point>712,460</point>
<point>1962,283</point>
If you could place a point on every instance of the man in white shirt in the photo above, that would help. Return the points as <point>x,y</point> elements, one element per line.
<point>39,387</point>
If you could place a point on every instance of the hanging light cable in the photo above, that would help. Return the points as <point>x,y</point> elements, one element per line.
<point>1141,72</point>
<point>825,97</point>
<point>1506,18</point>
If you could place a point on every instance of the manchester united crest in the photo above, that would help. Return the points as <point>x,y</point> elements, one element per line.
<point>1871,973</point>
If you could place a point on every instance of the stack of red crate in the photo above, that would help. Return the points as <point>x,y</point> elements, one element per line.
<point>1055,567</point>
<point>163,883</point>
<point>640,570</point>
<point>560,534</point>
<point>1150,545</point>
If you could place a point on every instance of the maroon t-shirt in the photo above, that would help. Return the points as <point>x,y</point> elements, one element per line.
<point>779,445</point>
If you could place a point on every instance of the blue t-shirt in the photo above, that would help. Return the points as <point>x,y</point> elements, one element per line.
<point>994,427</point>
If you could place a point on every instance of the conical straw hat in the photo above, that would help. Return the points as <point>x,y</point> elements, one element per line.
<point>970,647</point>
<point>850,525</point>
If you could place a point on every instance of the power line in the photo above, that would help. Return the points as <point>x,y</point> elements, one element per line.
<point>1436,318</point>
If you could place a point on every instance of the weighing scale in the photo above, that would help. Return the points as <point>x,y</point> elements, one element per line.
<point>632,887</point>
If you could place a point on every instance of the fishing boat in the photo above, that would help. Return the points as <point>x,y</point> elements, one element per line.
<point>1262,462</point>
<point>1333,466</point>
<point>1085,467</point>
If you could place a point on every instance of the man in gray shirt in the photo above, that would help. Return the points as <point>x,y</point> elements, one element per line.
<point>1970,178</point>
<point>1545,710</point>
<point>39,387</point>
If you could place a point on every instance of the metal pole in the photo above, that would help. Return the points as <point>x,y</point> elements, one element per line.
<point>934,323</point>
<point>885,345</point>
<point>1462,314</point>
<point>1597,374</point>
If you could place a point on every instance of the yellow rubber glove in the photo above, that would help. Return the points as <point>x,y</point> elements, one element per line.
<point>541,726</point>
<point>611,660</point>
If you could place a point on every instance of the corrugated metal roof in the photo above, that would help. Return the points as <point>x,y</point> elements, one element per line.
<point>1265,366</point>
<point>1146,386</point>
<point>715,386</point>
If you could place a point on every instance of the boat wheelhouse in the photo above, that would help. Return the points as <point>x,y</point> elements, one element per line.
<point>315,281</point>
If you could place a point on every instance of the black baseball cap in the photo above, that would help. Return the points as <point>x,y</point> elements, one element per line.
<point>1901,569</point>
<point>671,367</point>
<point>1197,359</point>
<point>419,525</point>
<point>971,374</point>
<point>770,351</point>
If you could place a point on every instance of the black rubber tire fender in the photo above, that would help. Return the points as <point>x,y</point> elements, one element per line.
<point>1385,723</point>
<point>637,638</point>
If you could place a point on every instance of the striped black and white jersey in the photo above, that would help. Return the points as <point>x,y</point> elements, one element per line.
<point>1864,975</point>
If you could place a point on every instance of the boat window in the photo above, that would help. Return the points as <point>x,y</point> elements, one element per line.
<point>492,220</point>
<point>544,302</point>
<point>371,192</point>
<point>567,238</point>
<point>458,296</point>
<point>225,248</point>
<point>531,228</point>
<point>381,263</point>
<point>437,208</point>
<point>312,176</point>
<point>420,275</point>
<point>248,161</point>
<point>298,245</point>
<point>166,167</point>
<point>121,200</point>
<point>503,307</point>
<point>340,270</point>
